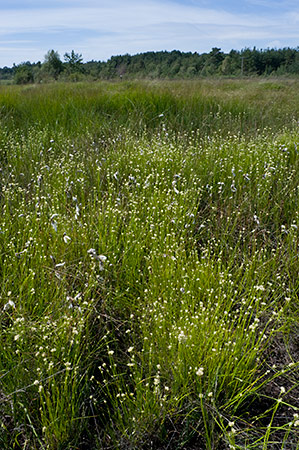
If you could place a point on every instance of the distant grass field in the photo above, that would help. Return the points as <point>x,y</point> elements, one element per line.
<point>149,265</point>
<point>215,106</point>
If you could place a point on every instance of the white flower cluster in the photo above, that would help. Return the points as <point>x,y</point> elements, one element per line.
<point>100,258</point>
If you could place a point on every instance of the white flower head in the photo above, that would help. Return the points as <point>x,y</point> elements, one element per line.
<point>199,372</point>
<point>77,214</point>
<point>54,225</point>
<point>101,258</point>
<point>256,219</point>
<point>182,337</point>
<point>260,288</point>
<point>9,304</point>
<point>66,238</point>
<point>57,266</point>
<point>174,187</point>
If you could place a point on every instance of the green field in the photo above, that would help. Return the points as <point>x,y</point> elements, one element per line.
<point>149,265</point>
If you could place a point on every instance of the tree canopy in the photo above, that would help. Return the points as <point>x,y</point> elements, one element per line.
<point>163,65</point>
<point>53,64</point>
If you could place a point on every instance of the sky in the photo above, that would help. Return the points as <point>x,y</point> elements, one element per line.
<point>99,29</point>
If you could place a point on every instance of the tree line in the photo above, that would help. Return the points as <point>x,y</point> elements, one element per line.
<point>157,65</point>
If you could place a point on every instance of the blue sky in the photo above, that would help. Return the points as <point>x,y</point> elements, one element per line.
<point>101,28</point>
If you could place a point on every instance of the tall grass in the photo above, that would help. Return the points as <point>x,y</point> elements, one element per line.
<point>149,267</point>
<point>205,106</point>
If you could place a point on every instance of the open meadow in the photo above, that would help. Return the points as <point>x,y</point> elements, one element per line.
<point>149,265</point>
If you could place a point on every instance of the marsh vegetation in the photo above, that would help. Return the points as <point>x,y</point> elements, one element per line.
<point>149,265</point>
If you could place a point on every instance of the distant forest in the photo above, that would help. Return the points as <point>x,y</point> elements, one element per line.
<point>156,65</point>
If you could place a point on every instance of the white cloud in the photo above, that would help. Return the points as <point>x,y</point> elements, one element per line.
<point>117,16</point>
<point>293,17</point>
<point>16,41</point>
<point>99,29</point>
<point>281,4</point>
<point>17,54</point>
<point>274,44</point>
<point>185,37</point>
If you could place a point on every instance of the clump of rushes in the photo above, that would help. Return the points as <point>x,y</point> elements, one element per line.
<point>148,279</point>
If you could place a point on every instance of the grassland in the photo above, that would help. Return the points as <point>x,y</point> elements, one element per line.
<point>149,265</point>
